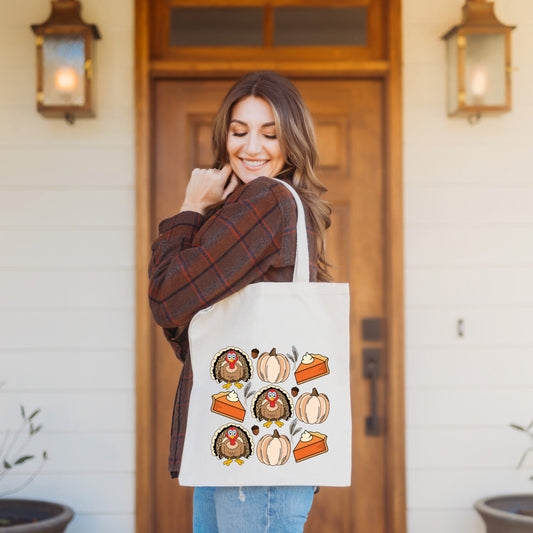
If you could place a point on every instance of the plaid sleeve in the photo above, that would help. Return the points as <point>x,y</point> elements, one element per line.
<point>175,233</point>
<point>195,265</point>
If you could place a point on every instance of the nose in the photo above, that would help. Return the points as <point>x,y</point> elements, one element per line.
<point>253,144</point>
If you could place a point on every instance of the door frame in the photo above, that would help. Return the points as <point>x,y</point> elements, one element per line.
<point>390,71</point>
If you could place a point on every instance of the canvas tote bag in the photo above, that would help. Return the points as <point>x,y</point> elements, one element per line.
<point>270,401</point>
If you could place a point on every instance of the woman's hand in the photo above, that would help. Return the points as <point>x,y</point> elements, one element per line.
<point>207,188</point>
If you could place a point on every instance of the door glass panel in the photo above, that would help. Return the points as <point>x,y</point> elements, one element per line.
<point>320,26</point>
<point>214,26</point>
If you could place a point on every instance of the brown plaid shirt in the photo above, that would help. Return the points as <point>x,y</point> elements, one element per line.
<point>197,262</point>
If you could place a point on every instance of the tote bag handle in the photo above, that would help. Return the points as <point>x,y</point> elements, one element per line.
<point>301,262</point>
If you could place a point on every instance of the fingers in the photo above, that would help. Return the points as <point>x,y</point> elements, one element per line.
<point>214,175</point>
<point>207,187</point>
<point>226,171</point>
<point>232,185</point>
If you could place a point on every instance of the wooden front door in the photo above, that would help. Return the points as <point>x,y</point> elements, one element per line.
<point>349,121</point>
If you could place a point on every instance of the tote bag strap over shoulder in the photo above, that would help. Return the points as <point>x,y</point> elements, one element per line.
<point>301,263</point>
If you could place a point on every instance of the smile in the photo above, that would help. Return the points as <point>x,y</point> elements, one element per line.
<point>254,163</point>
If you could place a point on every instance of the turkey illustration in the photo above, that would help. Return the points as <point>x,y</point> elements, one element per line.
<point>232,442</point>
<point>272,404</point>
<point>231,365</point>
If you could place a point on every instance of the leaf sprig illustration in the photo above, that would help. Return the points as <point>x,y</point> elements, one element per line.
<point>294,356</point>
<point>293,430</point>
<point>247,392</point>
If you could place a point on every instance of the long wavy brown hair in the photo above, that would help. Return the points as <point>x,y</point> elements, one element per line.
<point>296,134</point>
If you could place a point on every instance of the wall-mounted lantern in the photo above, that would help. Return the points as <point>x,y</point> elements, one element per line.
<point>479,62</point>
<point>65,62</point>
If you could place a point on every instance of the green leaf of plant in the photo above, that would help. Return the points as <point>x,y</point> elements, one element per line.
<point>23,459</point>
<point>23,412</point>
<point>526,453</point>
<point>45,455</point>
<point>519,428</point>
<point>7,466</point>
<point>35,430</point>
<point>34,414</point>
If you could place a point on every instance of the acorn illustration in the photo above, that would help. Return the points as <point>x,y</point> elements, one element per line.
<point>255,353</point>
<point>255,430</point>
<point>295,391</point>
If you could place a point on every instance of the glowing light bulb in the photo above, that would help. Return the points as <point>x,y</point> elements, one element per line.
<point>479,81</point>
<point>66,79</point>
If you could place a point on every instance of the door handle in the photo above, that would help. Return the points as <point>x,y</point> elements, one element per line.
<point>371,371</point>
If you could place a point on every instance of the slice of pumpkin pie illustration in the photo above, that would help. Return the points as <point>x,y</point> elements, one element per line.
<point>228,404</point>
<point>312,366</point>
<point>311,444</point>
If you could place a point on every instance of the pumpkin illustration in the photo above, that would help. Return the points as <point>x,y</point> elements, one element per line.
<point>312,408</point>
<point>274,450</point>
<point>273,367</point>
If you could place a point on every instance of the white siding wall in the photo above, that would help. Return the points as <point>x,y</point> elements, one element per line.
<point>67,270</point>
<point>469,255</point>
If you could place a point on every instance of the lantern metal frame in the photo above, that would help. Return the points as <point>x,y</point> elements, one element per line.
<point>478,19</point>
<point>65,20</point>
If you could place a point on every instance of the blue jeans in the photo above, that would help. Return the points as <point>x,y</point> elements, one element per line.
<point>251,509</point>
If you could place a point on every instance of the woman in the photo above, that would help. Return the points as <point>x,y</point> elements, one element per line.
<point>237,226</point>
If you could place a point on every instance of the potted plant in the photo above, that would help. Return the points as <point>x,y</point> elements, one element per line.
<point>20,515</point>
<point>509,513</point>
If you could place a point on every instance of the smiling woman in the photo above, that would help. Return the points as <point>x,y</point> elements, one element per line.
<point>236,227</point>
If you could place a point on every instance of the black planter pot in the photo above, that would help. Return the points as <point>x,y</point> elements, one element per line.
<point>45,517</point>
<point>507,514</point>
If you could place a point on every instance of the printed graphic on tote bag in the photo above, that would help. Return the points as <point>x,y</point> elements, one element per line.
<point>312,408</point>
<point>233,443</point>
<point>231,365</point>
<point>311,444</point>
<point>271,404</point>
<point>228,404</point>
<point>274,450</point>
<point>273,367</point>
<point>312,366</point>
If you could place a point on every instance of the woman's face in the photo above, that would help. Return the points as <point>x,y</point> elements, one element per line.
<point>252,145</point>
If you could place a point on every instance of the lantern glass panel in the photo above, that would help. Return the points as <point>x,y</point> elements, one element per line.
<point>485,70</point>
<point>453,85</point>
<point>64,70</point>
